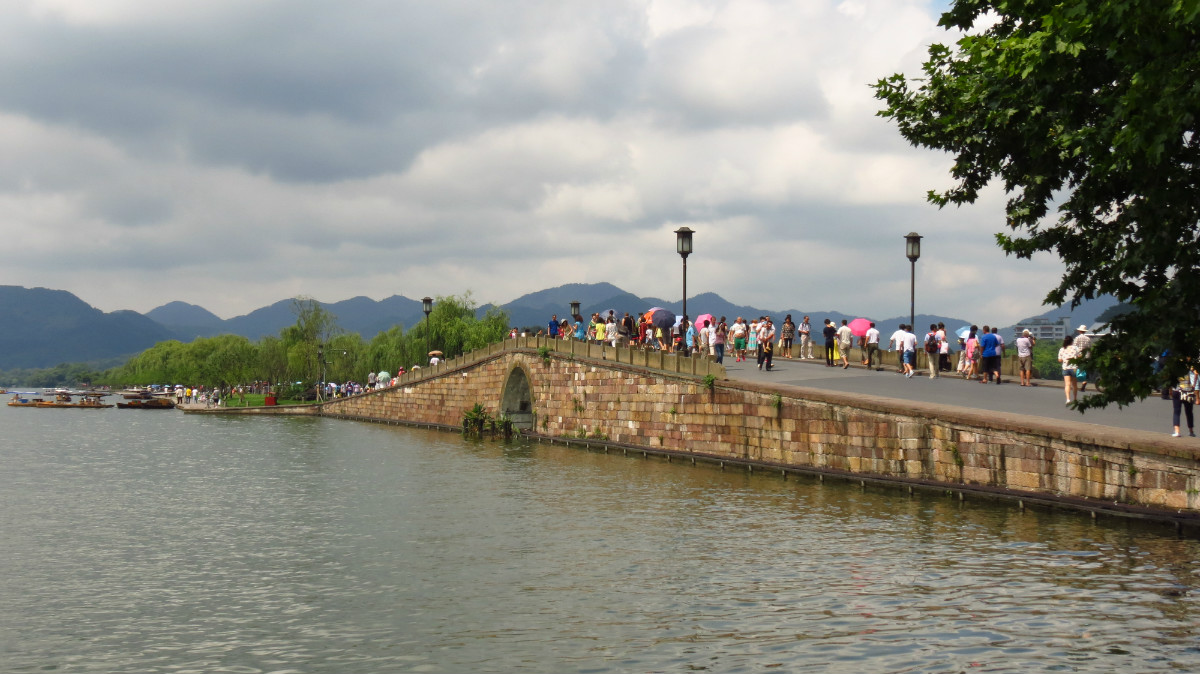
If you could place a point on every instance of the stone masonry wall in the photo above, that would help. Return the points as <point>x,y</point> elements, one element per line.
<point>626,403</point>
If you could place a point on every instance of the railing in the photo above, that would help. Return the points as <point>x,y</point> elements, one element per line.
<point>696,366</point>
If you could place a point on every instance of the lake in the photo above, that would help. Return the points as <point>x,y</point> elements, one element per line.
<point>143,541</point>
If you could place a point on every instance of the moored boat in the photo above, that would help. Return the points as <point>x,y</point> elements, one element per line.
<point>148,404</point>
<point>86,401</point>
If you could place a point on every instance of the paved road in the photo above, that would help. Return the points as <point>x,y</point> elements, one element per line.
<point>1045,400</point>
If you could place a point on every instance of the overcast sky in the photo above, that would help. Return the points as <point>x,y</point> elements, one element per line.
<point>233,153</point>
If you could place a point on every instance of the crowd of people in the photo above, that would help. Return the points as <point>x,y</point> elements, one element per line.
<point>711,336</point>
<point>979,352</point>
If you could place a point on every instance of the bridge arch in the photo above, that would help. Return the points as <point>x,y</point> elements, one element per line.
<point>516,399</point>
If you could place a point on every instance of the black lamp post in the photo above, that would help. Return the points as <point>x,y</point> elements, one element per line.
<point>427,306</point>
<point>912,248</point>
<point>683,245</point>
<point>321,357</point>
<point>575,315</point>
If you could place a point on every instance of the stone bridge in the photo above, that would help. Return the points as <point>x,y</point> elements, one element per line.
<point>685,407</point>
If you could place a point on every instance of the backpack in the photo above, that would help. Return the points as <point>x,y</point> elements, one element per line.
<point>931,343</point>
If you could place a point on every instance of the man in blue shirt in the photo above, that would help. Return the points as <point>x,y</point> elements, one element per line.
<point>990,344</point>
<point>552,328</point>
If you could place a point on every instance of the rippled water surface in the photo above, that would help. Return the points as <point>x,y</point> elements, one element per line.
<point>139,541</point>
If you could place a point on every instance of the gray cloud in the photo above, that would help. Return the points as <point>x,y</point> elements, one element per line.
<point>367,147</point>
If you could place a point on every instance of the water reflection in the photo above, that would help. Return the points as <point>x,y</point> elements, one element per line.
<point>176,543</point>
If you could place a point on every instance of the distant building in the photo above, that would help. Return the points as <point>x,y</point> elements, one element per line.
<point>1044,328</point>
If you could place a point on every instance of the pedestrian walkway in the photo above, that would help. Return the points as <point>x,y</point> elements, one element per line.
<point>1045,400</point>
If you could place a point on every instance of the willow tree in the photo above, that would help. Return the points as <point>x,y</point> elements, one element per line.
<point>1085,111</point>
<point>313,327</point>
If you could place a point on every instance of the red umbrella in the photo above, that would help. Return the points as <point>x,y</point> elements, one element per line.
<point>859,326</point>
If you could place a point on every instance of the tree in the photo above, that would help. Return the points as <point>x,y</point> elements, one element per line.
<point>1088,107</point>
<point>314,326</point>
<point>271,360</point>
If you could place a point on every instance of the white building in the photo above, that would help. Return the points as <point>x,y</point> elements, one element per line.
<point>1045,328</point>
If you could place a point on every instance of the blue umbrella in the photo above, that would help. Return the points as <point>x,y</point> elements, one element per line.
<point>963,331</point>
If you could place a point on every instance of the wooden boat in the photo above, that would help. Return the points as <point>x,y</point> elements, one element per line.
<point>86,401</point>
<point>148,403</point>
<point>18,401</point>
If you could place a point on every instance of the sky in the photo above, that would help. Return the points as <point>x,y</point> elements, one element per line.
<point>233,153</point>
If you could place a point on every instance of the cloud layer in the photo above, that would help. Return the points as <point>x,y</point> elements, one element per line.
<point>231,154</point>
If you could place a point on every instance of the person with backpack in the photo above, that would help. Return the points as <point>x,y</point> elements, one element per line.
<point>933,348</point>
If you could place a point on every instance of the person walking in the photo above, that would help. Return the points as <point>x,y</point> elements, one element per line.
<point>971,350</point>
<point>830,334</point>
<point>805,330</point>
<point>719,335</point>
<point>845,339</point>
<point>1083,343</point>
<point>990,345</point>
<point>932,348</point>
<point>943,349</point>
<point>908,353</point>
<point>787,335</point>
<point>872,346</point>
<point>1183,397</point>
<point>1025,344</point>
<point>1066,355</point>
<point>738,332</point>
<point>752,338</point>
<point>552,327</point>
<point>766,343</point>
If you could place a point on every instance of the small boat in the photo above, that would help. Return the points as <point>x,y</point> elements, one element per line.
<point>19,401</point>
<point>86,401</point>
<point>147,403</point>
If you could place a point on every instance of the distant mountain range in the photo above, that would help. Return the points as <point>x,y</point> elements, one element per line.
<point>48,327</point>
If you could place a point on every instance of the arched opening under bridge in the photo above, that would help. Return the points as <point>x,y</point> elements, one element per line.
<point>517,399</point>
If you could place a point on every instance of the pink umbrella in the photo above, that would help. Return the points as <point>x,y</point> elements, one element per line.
<point>704,317</point>
<point>859,326</point>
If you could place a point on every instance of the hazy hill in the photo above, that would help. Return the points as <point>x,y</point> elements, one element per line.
<point>186,321</point>
<point>1086,313</point>
<point>47,327</point>
<point>182,313</point>
<point>363,315</point>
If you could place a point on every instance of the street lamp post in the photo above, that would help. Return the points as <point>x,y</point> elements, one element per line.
<point>683,245</point>
<point>912,249</point>
<point>321,357</point>
<point>575,315</point>
<point>427,306</point>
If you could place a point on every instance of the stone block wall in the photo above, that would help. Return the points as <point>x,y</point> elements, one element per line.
<point>577,396</point>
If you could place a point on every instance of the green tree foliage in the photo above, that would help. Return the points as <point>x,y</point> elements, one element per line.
<point>271,360</point>
<point>1087,107</point>
<point>314,326</point>
<point>297,353</point>
<point>1045,360</point>
<point>452,329</point>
